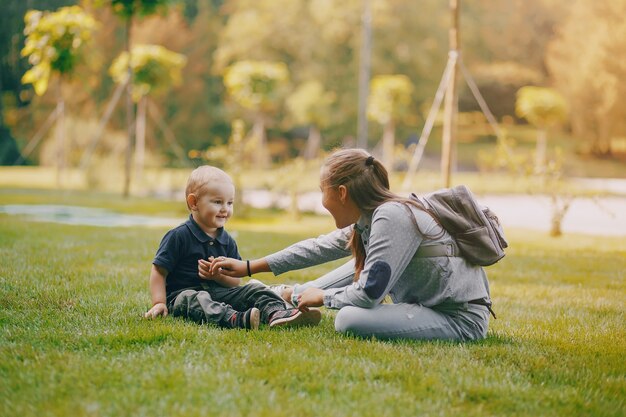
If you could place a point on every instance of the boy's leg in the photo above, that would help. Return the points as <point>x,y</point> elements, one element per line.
<point>412,321</point>
<point>272,306</point>
<point>200,307</point>
<point>251,295</point>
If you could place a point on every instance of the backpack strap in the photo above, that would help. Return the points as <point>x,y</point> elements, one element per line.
<point>442,249</point>
<point>450,249</point>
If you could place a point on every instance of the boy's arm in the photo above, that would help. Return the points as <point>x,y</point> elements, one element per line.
<point>157,291</point>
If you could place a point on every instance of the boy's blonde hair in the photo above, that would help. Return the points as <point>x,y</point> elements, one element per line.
<point>201,177</point>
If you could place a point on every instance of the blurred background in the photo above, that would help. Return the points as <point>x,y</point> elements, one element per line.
<point>264,88</point>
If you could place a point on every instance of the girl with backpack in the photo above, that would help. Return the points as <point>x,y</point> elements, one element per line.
<point>396,245</point>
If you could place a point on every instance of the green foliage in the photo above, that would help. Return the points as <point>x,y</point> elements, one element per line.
<point>73,341</point>
<point>505,45</point>
<point>53,41</point>
<point>311,104</point>
<point>256,85</point>
<point>390,97</point>
<point>542,107</point>
<point>154,67</point>
<point>586,61</point>
<point>127,9</point>
<point>498,82</point>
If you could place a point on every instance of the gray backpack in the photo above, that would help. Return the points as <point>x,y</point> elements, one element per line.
<point>475,229</point>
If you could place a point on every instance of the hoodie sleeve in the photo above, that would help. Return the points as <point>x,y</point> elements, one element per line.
<point>311,252</point>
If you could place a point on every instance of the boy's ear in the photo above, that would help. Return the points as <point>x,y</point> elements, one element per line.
<point>192,201</point>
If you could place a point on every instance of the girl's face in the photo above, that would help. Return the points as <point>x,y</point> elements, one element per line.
<point>337,201</point>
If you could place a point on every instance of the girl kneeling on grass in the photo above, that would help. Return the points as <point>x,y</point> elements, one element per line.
<point>434,296</point>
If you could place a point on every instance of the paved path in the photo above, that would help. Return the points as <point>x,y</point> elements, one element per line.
<point>604,216</point>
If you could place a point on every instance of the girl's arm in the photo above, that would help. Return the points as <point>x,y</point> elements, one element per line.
<point>231,267</point>
<point>311,252</point>
<point>300,255</point>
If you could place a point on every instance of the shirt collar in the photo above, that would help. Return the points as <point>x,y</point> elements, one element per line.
<point>222,236</point>
<point>363,224</point>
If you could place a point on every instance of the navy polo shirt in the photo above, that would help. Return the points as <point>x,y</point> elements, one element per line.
<point>180,250</point>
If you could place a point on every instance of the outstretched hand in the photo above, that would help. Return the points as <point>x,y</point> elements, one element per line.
<point>311,297</point>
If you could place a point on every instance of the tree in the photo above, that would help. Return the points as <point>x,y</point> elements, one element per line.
<point>195,110</point>
<point>127,10</point>
<point>53,43</point>
<point>586,61</point>
<point>388,103</point>
<point>543,108</point>
<point>154,70</point>
<point>257,86</point>
<point>310,105</point>
<point>14,94</point>
<point>316,39</point>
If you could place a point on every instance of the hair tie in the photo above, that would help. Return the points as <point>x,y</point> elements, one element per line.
<point>369,161</point>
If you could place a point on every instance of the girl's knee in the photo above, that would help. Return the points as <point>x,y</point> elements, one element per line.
<point>347,320</point>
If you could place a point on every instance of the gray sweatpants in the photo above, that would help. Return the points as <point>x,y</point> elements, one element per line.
<point>459,322</point>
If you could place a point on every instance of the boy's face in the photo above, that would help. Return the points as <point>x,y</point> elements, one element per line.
<point>213,206</point>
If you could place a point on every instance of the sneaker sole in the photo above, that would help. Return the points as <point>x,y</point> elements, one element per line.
<point>309,318</point>
<point>255,319</point>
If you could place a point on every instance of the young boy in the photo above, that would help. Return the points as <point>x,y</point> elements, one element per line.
<point>175,285</point>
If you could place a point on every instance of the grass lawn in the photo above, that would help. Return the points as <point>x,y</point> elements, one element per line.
<point>73,341</point>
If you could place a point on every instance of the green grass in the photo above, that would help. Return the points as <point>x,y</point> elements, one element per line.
<point>73,343</point>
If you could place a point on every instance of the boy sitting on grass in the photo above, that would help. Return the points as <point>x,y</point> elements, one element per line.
<point>219,299</point>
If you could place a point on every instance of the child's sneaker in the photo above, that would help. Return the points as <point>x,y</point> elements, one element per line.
<point>295,317</point>
<point>248,319</point>
<point>277,289</point>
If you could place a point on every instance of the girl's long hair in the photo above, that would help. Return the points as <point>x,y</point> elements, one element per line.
<point>367,182</point>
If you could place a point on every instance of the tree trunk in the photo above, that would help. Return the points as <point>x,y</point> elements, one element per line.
<point>313,143</point>
<point>451,101</point>
<point>261,155</point>
<point>364,74</point>
<point>540,151</point>
<point>294,210</point>
<point>60,135</point>
<point>140,133</point>
<point>129,114</point>
<point>388,145</point>
<point>604,135</point>
<point>560,206</point>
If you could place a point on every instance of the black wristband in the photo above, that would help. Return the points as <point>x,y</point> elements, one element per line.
<point>248,266</point>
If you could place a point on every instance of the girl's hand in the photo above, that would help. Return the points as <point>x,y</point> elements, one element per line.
<point>311,297</point>
<point>159,309</point>
<point>225,266</point>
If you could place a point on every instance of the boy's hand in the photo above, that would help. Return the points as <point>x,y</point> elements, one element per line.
<point>159,309</point>
<point>204,269</point>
